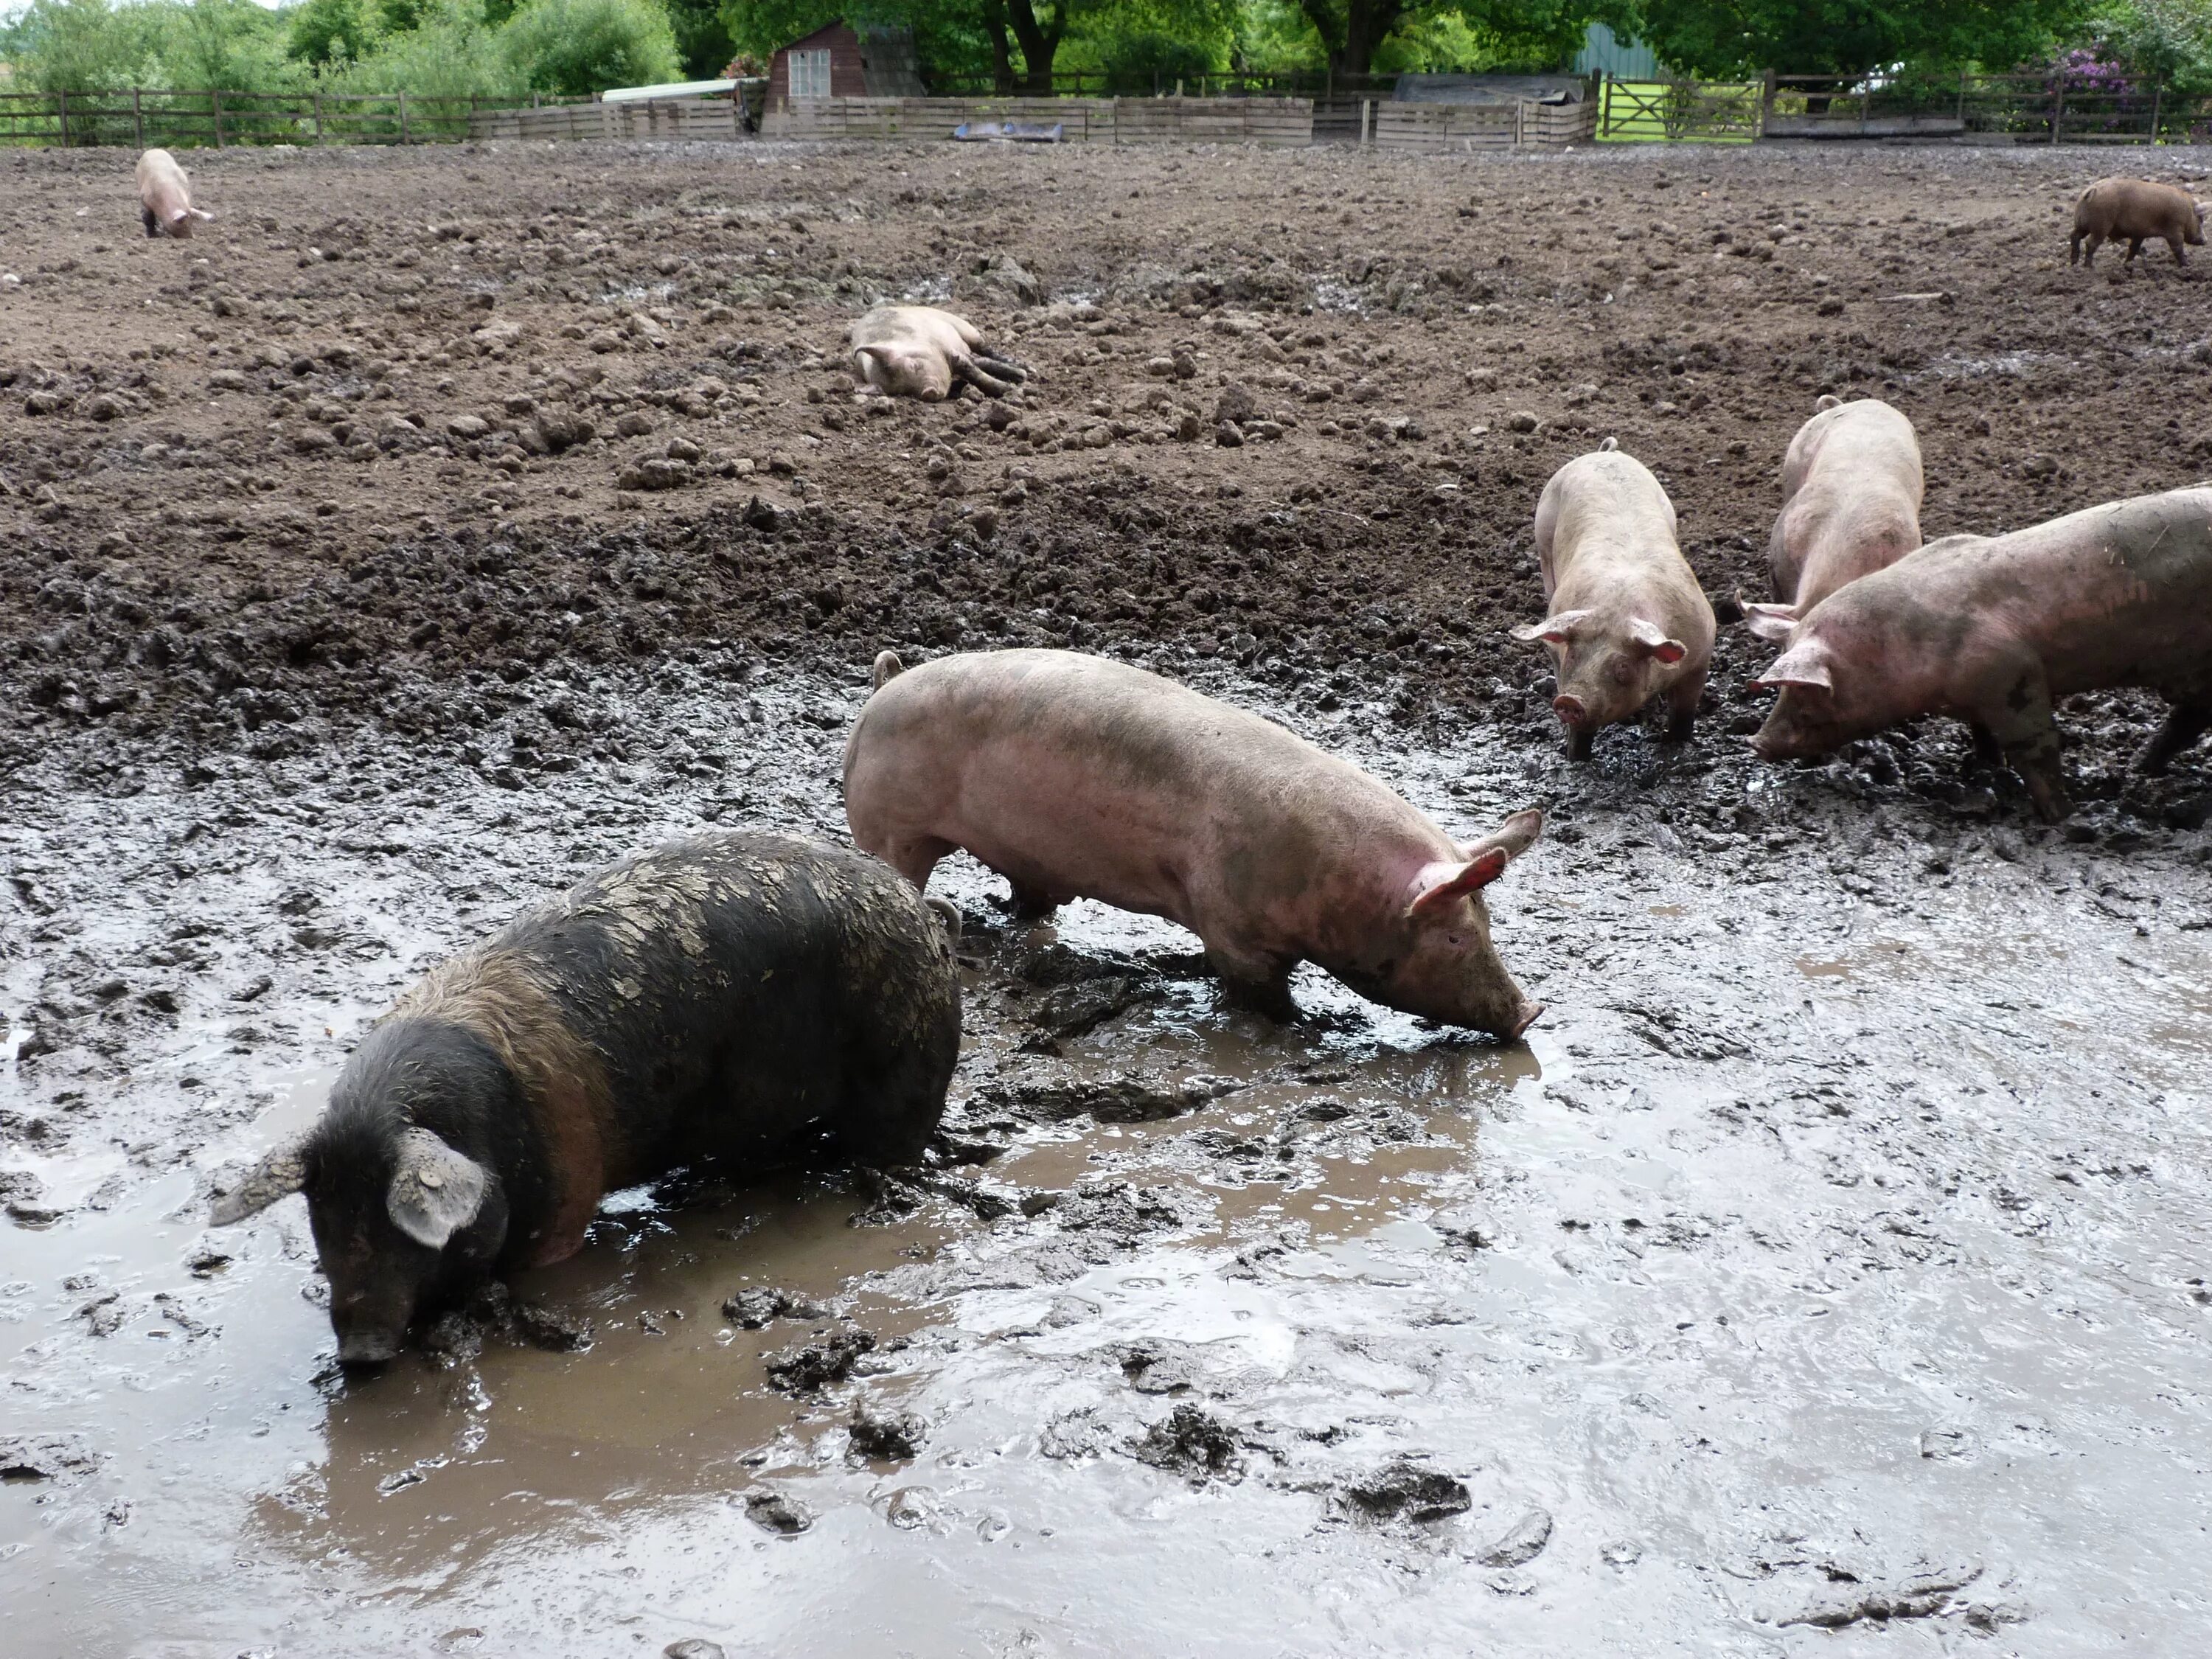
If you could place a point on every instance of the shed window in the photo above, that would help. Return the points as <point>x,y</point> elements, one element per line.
<point>809,75</point>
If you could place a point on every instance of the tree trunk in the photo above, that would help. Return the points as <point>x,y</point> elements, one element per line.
<point>1038,45</point>
<point>1002,61</point>
<point>1350,30</point>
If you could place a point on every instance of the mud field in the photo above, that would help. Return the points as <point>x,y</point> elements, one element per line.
<point>1830,1272</point>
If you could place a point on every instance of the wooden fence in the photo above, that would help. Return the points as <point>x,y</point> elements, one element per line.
<point>1081,120</point>
<point>187,120</point>
<point>1434,129</point>
<point>2035,109</point>
<point>644,117</point>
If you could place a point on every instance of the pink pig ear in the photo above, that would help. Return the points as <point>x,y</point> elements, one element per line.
<point>1799,667</point>
<point>1653,638</point>
<point>1771,622</point>
<point>1556,630</point>
<point>1449,882</point>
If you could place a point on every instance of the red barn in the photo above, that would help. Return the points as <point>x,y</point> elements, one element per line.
<point>838,61</point>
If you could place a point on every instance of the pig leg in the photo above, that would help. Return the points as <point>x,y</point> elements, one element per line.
<point>1030,905</point>
<point>2186,722</point>
<point>153,225</point>
<point>2096,242</point>
<point>986,359</point>
<point>1259,983</point>
<point>1986,746</point>
<point>2173,241</point>
<point>1579,738</point>
<point>2134,246</point>
<point>1682,709</point>
<point>965,368</point>
<point>2024,724</point>
<point>914,857</point>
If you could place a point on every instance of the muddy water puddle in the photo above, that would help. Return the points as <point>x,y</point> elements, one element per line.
<point>1829,1272</point>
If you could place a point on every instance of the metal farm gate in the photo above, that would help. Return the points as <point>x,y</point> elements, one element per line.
<point>1678,110</point>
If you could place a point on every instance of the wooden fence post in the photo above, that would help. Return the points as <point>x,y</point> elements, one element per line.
<point>217,104</point>
<point>403,117</point>
<point>319,118</point>
<point>61,105</point>
<point>2059,108</point>
<point>137,117</point>
<point>2157,97</point>
<point>1962,100</point>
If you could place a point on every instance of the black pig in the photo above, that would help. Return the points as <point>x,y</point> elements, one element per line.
<point>743,996</point>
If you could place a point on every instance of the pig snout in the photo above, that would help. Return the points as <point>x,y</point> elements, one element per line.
<point>1526,1016</point>
<point>1571,710</point>
<point>367,1348</point>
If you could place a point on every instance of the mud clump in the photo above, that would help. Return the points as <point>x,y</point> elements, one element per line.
<point>1522,1544</point>
<point>885,1436</point>
<point>758,1305</point>
<point>778,1512</point>
<point>1191,1442</point>
<point>1920,1597</point>
<point>58,1458</point>
<point>458,1337</point>
<point>813,1366</point>
<point>1407,1492</point>
<point>1132,1099</point>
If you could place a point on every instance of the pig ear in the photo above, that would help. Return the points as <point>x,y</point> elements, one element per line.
<point>1653,638</point>
<point>1439,884</point>
<point>199,213</point>
<point>435,1191</point>
<point>1771,622</point>
<point>1799,666</point>
<point>282,1172</point>
<point>1556,630</point>
<point>1513,837</point>
<point>1826,400</point>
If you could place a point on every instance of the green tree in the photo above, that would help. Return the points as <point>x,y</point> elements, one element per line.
<point>325,30</point>
<point>2170,39</point>
<point>1530,34</point>
<point>703,38</point>
<point>1844,37</point>
<point>589,46</point>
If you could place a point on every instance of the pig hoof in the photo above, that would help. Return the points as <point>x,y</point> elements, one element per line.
<point>1578,745</point>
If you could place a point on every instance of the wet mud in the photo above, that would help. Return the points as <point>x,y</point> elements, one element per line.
<point>1828,1272</point>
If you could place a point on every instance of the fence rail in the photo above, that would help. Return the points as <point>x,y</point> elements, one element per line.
<point>184,120</point>
<point>1081,120</point>
<point>2037,109</point>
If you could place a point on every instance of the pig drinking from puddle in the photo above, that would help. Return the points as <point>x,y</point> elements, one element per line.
<point>918,351</point>
<point>1851,504</point>
<point>2133,210</point>
<point>165,200</point>
<point>1996,629</point>
<point>1628,621</point>
<point>739,996</point>
<point>1076,777</point>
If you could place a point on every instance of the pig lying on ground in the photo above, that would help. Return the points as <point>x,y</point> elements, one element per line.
<point>1995,629</point>
<point>749,997</point>
<point>165,201</point>
<point>1629,622</point>
<point>917,351</point>
<point>2133,210</point>
<point>1075,777</point>
<point>1851,504</point>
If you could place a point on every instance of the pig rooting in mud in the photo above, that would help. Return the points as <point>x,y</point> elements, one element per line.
<point>1851,486</point>
<point>165,200</point>
<point>1628,621</point>
<point>918,351</point>
<point>1078,777</point>
<point>746,998</point>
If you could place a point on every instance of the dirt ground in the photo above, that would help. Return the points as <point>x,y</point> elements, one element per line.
<point>1828,1273</point>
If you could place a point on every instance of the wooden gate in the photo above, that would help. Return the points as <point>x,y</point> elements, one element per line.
<point>1674,110</point>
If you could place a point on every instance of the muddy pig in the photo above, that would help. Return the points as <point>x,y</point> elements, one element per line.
<point>165,201</point>
<point>1851,504</point>
<point>1996,629</point>
<point>1628,621</point>
<point>917,351</point>
<point>740,996</point>
<point>1075,777</point>
<point>2132,210</point>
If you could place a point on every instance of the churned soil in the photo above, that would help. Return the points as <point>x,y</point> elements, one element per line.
<point>402,422</point>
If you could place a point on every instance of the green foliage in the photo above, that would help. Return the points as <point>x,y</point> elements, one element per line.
<point>1842,37</point>
<point>1359,36</point>
<point>702,38</point>
<point>328,31</point>
<point>1137,65</point>
<point>2169,40</point>
<point>85,45</point>
<point>451,53</point>
<point>397,16</point>
<point>588,45</point>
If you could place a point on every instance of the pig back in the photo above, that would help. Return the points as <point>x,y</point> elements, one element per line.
<point>749,993</point>
<point>2119,594</point>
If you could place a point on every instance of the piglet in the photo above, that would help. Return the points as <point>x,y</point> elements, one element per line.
<point>1628,621</point>
<point>1078,777</point>
<point>165,201</point>
<point>2133,210</point>
<point>1996,629</point>
<point>918,351</point>
<point>753,998</point>
<point>1851,504</point>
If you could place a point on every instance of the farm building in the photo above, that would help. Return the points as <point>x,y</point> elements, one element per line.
<point>840,61</point>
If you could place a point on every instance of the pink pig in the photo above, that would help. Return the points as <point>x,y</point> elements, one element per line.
<point>1995,629</point>
<point>165,200</point>
<point>1851,504</point>
<point>1076,777</point>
